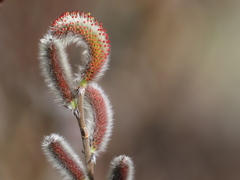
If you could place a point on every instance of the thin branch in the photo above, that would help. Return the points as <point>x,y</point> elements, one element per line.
<point>85,135</point>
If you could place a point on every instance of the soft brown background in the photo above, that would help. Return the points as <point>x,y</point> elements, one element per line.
<point>174,83</point>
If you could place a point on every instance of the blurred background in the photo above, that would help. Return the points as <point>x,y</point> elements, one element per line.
<point>174,83</point>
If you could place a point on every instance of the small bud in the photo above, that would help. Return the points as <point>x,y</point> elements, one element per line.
<point>61,155</point>
<point>85,31</point>
<point>121,168</point>
<point>98,117</point>
<point>56,70</point>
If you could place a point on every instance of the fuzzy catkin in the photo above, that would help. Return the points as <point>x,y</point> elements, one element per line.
<point>56,69</point>
<point>100,121</point>
<point>82,28</point>
<point>121,168</point>
<point>63,158</point>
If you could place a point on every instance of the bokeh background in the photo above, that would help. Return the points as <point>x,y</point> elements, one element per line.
<point>174,83</point>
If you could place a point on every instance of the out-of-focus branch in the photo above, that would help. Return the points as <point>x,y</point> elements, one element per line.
<point>1,3</point>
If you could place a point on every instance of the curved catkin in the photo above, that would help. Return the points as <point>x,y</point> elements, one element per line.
<point>81,28</point>
<point>121,168</point>
<point>56,70</point>
<point>100,121</point>
<point>60,154</point>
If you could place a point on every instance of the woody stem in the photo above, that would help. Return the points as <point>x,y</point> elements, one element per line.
<point>85,135</point>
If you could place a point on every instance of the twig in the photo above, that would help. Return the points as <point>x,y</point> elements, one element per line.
<point>85,135</point>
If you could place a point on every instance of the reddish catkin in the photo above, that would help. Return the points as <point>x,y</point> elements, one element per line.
<point>58,75</point>
<point>56,70</point>
<point>81,28</point>
<point>100,123</point>
<point>63,158</point>
<point>121,168</point>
